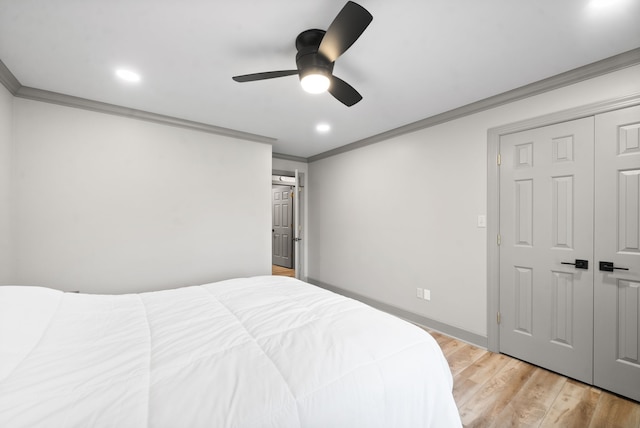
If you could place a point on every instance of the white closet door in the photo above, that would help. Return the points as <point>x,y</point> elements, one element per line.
<point>617,241</point>
<point>546,221</point>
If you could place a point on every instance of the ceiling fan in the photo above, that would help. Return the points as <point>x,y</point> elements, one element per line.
<point>318,51</point>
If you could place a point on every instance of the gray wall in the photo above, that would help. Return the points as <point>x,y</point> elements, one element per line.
<point>6,122</point>
<point>390,217</point>
<point>107,204</point>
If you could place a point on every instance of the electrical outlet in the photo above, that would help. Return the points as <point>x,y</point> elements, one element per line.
<point>419,293</point>
<point>427,294</point>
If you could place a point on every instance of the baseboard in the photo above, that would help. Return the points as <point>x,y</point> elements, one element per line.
<point>458,333</point>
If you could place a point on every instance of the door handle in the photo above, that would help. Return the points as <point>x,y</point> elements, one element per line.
<point>609,267</point>
<point>579,264</point>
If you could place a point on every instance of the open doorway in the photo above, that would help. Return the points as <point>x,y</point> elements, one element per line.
<point>282,253</point>
<point>287,225</point>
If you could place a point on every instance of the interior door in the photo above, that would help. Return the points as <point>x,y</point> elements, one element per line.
<point>617,241</point>
<point>281,248</point>
<point>546,223</point>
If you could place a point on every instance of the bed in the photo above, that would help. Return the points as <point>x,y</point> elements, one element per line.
<point>249,352</point>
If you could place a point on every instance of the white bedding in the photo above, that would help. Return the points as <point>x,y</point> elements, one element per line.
<point>252,352</point>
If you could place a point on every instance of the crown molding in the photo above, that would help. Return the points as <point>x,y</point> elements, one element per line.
<point>8,80</point>
<point>12,84</point>
<point>574,113</point>
<point>289,157</point>
<point>97,106</point>
<point>607,65</point>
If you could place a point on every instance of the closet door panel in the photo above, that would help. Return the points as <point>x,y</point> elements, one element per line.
<point>546,222</point>
<point>617,242</point>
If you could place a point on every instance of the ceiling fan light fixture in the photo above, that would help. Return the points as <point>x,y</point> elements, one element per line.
<point>315,82</point>
<point>317,52</point>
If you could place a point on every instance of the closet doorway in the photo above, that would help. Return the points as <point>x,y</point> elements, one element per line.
<point>565,267</point>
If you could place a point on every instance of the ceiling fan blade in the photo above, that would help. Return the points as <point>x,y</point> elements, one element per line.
<point>345,29</point>
<point>344,92</point>
<point>263,76</point>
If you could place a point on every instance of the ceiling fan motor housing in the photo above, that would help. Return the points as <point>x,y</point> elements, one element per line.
<point>308,59</point>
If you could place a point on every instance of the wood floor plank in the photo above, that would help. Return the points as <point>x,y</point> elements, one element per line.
<point>530,405</point>
<point>282,271</point>
<point>469,381</point>
<point>451,347</point>
<point>495,395</point>
<point>615,412</point>
<point>483,369</point>
<point>495,390</point>
<point>574,406</point>
<point>464,357</point>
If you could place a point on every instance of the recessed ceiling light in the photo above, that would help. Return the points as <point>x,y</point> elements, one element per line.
<point>605,4</point>
<point>323,128</point>
<point>128,75</point>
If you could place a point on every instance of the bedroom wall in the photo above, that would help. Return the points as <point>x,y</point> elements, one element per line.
<point>6,125</point>
<point>107,204</point>
<point>408,209</point>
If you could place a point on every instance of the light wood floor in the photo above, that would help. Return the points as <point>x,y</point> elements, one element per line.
<point>282,271</point>
<point>494,390</point>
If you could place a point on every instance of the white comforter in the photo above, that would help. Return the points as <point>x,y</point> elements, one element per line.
<point>256,352</point>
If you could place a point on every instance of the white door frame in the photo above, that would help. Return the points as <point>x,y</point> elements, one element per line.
<point>493,195</point>
<point>299,246</point>
<point>290,188</point>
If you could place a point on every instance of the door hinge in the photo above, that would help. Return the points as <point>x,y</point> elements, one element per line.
<point>499,160</point>
<point>499,240</point>
<point>498,317</point>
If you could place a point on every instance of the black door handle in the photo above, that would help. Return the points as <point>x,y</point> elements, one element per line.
<point>579,264</point>
<point>609,267</point>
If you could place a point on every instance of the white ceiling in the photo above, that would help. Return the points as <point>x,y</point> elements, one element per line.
<point>418,58</point>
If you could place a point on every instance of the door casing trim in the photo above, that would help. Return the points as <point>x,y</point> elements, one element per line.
<point>301,273</point>
<point>493,193</point>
